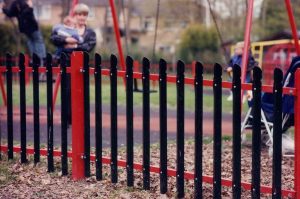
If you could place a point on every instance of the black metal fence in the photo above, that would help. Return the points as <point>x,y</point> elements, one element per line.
<point>180,81</point>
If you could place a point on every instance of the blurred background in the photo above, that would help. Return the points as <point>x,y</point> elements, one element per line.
<point>190,30</point>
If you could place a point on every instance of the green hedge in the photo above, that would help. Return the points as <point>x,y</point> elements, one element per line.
<point>199,43</point>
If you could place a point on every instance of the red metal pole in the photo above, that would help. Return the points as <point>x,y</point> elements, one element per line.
<point>117,34</point>
<point>3,90</point>
<point>27,77</point>
<point>247,39</point>
<point>74,2</point>
<point>297,135</point>
<point>293,25</point>
<point>56,87</point>
<point>77,115</point>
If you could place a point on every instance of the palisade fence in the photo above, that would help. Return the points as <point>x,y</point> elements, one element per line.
<point>81,157</point>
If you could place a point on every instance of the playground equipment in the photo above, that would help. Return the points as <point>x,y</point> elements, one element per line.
<point>272,54</point>
<point>267,114</point>
<point>81,156</point>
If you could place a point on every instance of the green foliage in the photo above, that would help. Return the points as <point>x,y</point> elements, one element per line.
<point>9,39</point>
<point>274,17</point>
<point>199,43</point>
<point>46,31</point>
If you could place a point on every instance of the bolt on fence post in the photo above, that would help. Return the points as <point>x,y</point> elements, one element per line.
<point>297,134</point>
<point>146,124</point>
<point>98,116</point>
<point>36,106</point>
<point>49,113</point>
<point>217,87</point>
<point>86,90</point>
<point>129,120</point>
<point>198,128</point>
<point>256,133</point>
<point>236,127</point>
<point>10,132</point>
<point>180,129</point>
<point>277,134</point>
<point>22,107</point>
<point>163,126</point>
<point>114,118</point>
<point>77,101</point>
<point>64,114</point>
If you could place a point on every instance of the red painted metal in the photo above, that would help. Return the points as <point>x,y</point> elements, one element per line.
<point>293,25</point>
<point>27,77</point>
<point>55,92</point>
<point>270,62</point>
<point>117,34</point>
<point>155,169</point>
<point>77,115</point>
<point>247,40</point>
<point>297,135</point>
<point>170,79</point>
<point>74,2</point>
<point>3,91</point>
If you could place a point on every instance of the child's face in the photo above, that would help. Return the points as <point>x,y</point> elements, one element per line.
<point>70,23</point>
<point>238,50</point>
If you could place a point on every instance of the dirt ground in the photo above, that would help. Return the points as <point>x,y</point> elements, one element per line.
<point>32,181</point>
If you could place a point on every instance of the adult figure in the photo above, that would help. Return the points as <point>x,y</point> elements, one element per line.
<point>81,12</point>
<point>28,25</point>
<point>88,43</point>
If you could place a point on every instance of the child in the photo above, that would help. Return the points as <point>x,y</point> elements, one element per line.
<point>237,59</point>
<point>67,29</point>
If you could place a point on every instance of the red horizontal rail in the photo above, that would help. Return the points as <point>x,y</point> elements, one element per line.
<point>154,169</point>
<point>155,77</point>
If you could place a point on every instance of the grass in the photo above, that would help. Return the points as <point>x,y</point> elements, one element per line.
<point>154,97</point>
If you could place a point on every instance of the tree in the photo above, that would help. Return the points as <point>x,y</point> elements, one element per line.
<point>274,17</point>
<point>198,42</point>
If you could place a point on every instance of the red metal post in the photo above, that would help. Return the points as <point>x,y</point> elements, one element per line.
<point>74,2</point>
<point>27,77</point>
<point>117,34</point>
<point>293,25</point>
<point>56,87</point>
<point>297,135</point>
<point>3,90</point>
<point>247,39</point>
<point>77,115</point>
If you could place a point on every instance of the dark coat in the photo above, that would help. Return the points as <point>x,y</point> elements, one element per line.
<point>26,20</point>
<point>88,44</point>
